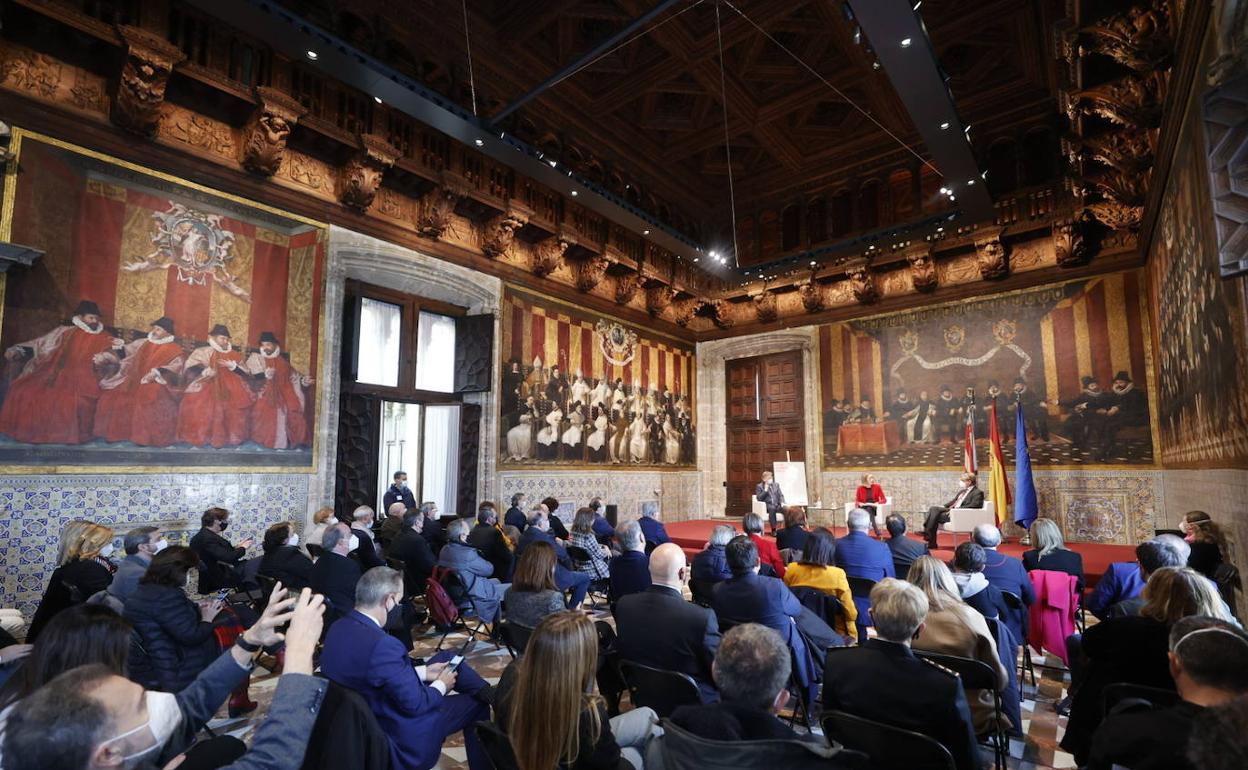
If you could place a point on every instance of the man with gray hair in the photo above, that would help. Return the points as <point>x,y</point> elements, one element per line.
<point>884,681</point>
<point>413,704</point>
<point>334,575</point>
<point>711,565</point>
<point>487,538</point>
<point>861,555</point>
<point>362,527</point>
<point>1007,574</point>
<point>751,670</point>
<point>630,571</point>
<point>141,544</point>
<point>483,594</point>
<point>566,578</point>
<point>652,529</point>
<point>389,530</point>
<point>433,531</point>
<point>515,514</point>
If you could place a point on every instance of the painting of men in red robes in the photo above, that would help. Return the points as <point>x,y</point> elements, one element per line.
<point>278,419</point>
<point>216,403</point>
<point>139,402</point>
<point>53,399</point>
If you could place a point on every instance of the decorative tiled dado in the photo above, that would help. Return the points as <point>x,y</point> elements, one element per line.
<point>33,509</point>
<point>678,493</point>
<point>1103,507</point>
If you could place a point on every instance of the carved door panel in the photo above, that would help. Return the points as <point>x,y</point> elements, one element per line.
<point>359,428</point>
<point>765,421</point>
<point>469,451</point>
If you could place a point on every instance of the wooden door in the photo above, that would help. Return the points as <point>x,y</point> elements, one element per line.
<point>765,420</point>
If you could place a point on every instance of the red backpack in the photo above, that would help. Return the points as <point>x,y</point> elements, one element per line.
<point>442,610</point>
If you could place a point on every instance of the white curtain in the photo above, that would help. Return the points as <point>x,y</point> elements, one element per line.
<point>400,447</point>
<point>440,464</point>
<point>435,353</point>
<point>378,343</point>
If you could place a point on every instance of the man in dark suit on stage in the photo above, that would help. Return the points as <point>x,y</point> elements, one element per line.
<point>768,492</point>
<point>969,496</point>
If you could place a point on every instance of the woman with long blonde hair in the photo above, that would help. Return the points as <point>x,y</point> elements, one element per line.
<point>1207,540</point>
<point>547,704</point>
<point>83,570</point>
<point>1173,593</point>
<point>1050,552</point>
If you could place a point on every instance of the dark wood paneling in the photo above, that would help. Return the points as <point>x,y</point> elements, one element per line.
<point>469,451</point>
<point>765,420</point>
<point>359,431</point>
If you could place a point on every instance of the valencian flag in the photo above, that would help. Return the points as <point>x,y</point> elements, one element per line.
<point>998,487</point>
<point>1025,507</point>
<point>970,462</point>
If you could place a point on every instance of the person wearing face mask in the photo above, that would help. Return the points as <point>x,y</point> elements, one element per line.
<point>283,561</point>
<point>335,575</point>
<point>413,704</point>
<point>83,569</point>
<point>484,593</point>
<point>968,496</point>
<point>399,492</point>
<point>140,544</point>
<point>221,563</point>
<point>90,717</point>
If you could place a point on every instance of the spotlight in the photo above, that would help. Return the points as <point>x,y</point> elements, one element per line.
<point>905,42</point>
<point>875,65</point>
<point>813,263</point>
<point>695,259</point>
<point>714,253</point>
<point>574,193</point>
<point>552,163</point>
<point>857,35</point>
<point>479,142</point>
<point>647,232</point>
<point>312,55</point>
<point>951,198</point>
<point>944,126</point>
<point>940,229</point>
<point>377,99</point>
<point>916,5</point>
<point>944,191</point>
<point>970,182</point>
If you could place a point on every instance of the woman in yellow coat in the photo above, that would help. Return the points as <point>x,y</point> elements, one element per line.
<point>815,570</point>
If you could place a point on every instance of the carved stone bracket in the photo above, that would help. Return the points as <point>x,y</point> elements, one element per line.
<point>765,306</point>
<point>548,255</point>
<point>499,232</point>
<point>814,298</point>
<point>266,132</point>
<point>588,273</point>
<point>361,176</point>
<point>1069,245</point>
<point>658,298</point>
<point>922,268</point>
<point>626,286</point>
<point>991,256</point>
<point>1138,38</point>
<point>684,310</point>
<point>436,207</point>
<point>150,60</point>
<point>862,281</point>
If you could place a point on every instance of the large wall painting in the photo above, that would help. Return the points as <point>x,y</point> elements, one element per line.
<point>587,390</point>
<point>166,325</point>
<point>898,390</point>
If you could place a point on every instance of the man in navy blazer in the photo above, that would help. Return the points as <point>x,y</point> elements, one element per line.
<point>861,555</point>
<point>565,577</point>
<point>412,705</point>
<point>1007,574</point>
<point>602,528</point>
<point>630,571</point>
<point>653,529</point>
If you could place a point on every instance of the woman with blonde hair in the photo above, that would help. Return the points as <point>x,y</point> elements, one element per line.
<point>547,705</point>
<point>1207,540</point>
<point>953,627</point>
<point>321,521</point>
<point>1051,552</point>
<point>83,570</point>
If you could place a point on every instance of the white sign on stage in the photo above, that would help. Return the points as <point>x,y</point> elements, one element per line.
<point>791,476</point>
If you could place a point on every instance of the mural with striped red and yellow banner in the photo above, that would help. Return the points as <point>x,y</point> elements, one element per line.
<point>1054,339</point>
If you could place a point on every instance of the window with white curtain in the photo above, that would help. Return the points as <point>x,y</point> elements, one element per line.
<point>400,447</point>
<point>439,476</point>
<point>378,344</point>
<point>435,353</point>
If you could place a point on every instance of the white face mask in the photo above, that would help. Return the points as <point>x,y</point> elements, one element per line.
<point>402,485</point>
<point>160,545</point>
<point>353,543</point>
<point>292,540</point>
<point>107,550</point>
<point>163,719</point>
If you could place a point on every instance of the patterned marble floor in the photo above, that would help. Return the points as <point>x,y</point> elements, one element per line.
<point>1042,726</point>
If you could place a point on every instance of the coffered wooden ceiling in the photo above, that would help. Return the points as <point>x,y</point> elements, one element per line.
<point>651,113</point>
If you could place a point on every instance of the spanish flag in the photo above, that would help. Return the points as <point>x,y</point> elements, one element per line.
<point>998,487</point>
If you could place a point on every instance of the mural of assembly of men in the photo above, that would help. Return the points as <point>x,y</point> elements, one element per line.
<point>82,382</point>
<point>549,417</point>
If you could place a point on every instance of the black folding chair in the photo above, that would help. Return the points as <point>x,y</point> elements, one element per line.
<point>1118,695</point>
<point>663,691</point>
<point>977,675</point>
<point>901,569</point>
<point>315,551</point>
<point>458,593</point>
<point>515,637</point>
<point>860,588</point>
<point>581,557</point>
<point>497,746</point>
<point>1015,604</point>
<point>889,747</point>
<point>701,590</point>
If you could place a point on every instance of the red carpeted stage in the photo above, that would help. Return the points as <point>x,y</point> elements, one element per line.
<point>692,535</point>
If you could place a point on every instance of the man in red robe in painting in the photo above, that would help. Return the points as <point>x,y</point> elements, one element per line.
<point>278,419</point>
<point>137,404</point>
<point>53,399</point>
<point>216,404</point>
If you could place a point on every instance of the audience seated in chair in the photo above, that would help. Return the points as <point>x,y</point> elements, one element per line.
<point>768,553</point>
<point>969,559</point>
<point>433,530</point>
<point>411,548</point>
<point>751,672</point>
<point>905,550</point>
<point>585,537</point>
<point>658,628</point>
<point>485,592</point>
<point>1207,541</point>
<point>1051,552</point>
<point>366,550</point>
<point>321,521</point>
<point>815,571</point>
<point>334,575</point>
<point>92,717</point>
<point>1208,661</point>
<point>1150,556</point>
<point>283,561</point>
<point>652,529</point>
<point>82,635</point>
<point>220,563</point>
<point>545,702</point>
<point>884,681</point>
<point>413,705</point>
<point>1007,574</point>
<point>533,594</point>
<point>601,527</point>
<point>954,628</point>
<point>1217,740</point>
<point>710,565</point>
<point>859,554</point>
<point>390,527</point>
<point>515,514</point>
<point>551,506</point>
<point>793,536</point>
<point>82,569</point>
<point>566,578</point>
<point>630,570</point>
<point>140,545</point>
<point>487,538</point>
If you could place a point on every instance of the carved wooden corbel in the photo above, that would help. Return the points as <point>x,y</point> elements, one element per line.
<point>1138,38</point>
<point>1131,101</point>
<point>435,209</point>
<point>548,255</point>
<point>814,298</point>
<point>862,281</point>
<point>658,298</point>
<point>684,310</point>
<point>361,176</point>
<point>266,132</point>
<point>1116,215</point>
<point>991,256</point>
<point>1121,186</point>
<point>1128,151</point>
<point>499,232</point>
<point>626,286</point>
<point>720,312</point>
<point>150,60</point>
<point>1069,245</point>
<point>588,273</point>
<point>765,306</point>
<point>922,267</point>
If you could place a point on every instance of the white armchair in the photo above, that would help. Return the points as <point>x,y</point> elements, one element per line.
<point>882,511</point>
<point>965,520</point>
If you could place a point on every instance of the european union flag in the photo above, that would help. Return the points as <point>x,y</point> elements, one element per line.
<point>1025,507</point>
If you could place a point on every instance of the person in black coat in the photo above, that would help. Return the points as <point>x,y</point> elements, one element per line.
<point>176,638</point>
<point>283,561</point>
<point>795,532</point>
<point>334,575</point>
<point>1206,540</point>
<point>658,628</point>
<point>414,551</point>
<point>515,514</point>
<point>490,541</point>
<point>220,564</point>
<point>433,530</point>
<point>362,527</point>
<point>905,550</point>
<point>630,571</point>
<point>557,528</point>
<point>1051,553</point>
<point>84,570</point>
<point>399,493</point>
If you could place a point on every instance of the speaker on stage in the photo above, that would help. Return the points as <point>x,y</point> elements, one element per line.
<point>612,514</point>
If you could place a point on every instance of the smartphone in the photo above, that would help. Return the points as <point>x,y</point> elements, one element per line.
<point>224,592</point>
<point>453,664</point>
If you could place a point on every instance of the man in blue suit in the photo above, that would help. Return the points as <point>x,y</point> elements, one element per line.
<point>630,571</point>
<point>515,514</point>
<point>565,577</point>
<point>1007,574</point>
<point>1125,579</point>
<point>653,529</point>
<point>861,555</point>
<point>412,705</point>
<point>602,528</point>
<point>748,597</point>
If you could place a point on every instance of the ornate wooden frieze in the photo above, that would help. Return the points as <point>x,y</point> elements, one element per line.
<point>264,136</point>
<point>814,298</point>
<point>548,255</point>
<point>1138,37</point>
<point>626,286</point>
<point>720,312</point>
<point>684,310</point>
<point>588,273</point>
<point>862,281</point>
<point>1124,150</point>
<point>499,232</point>
<point>436,208</point>
<point>658,298</point>
<point>361,175</point>
<point>765,306</point>
<point>1132,101</point>
<point>1121,186</point>
<point>990,255</point>
<point>922,267</point>
<point>149,61</point>
<point>1115,215</point>
<point>1070,248</point>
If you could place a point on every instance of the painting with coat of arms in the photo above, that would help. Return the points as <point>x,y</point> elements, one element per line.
<point>580,389</point>
<point>899,390</point>
<point>165,324</point>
